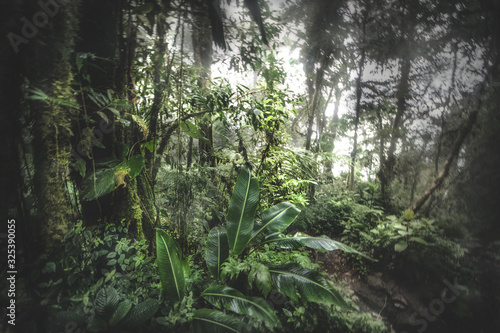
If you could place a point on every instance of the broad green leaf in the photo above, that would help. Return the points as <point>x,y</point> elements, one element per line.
<point>240,216</point>
<point>140,313</point>
<point>170,266</point>
<point>106,302</point>
<point>150,145</point>
<point>231,299</point>
<point>190,129</point>
<point>401,246</point>
<point>214,321</point>
<point>310,284</point>
<point>319,243</point>
<point>136,163</point>
<point>216,250</point>
<point>277,218</point>
<point>121,311</point>
<point>80,167</point>
<point>104,184</point>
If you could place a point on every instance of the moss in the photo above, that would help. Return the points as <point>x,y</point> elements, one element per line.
<point>50,70</point>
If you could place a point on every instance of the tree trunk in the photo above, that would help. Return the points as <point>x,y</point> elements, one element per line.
<point>107,32</point>
<point>50,71</point>
<point>359,92</point>
<point>202,52</point>
<point>466,129</point>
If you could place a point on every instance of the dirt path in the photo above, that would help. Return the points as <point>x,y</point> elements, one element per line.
<point>378,294</point>
<point>440,306</point>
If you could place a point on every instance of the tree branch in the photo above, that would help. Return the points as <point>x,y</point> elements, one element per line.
<point>438,181</point>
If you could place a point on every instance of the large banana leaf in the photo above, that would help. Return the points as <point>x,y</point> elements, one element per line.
<point>170,266</point>
<point>232,299</point>
<point>216,249</point>
<point>214,321</point>
<point>240,216</point>
<point>311,285</point>
<point>277,218</point>
<point>319,243</point>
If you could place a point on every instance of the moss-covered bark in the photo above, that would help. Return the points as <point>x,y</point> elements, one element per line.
<point>108,32</point>
<point>49,69</point>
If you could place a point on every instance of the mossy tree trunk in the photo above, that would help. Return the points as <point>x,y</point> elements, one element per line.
<point>48,68</point>
<point>108,31</point>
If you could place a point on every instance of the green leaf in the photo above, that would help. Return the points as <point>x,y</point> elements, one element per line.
<point>121,150</point>
<point>122,310</point>
<point>260,273</point>
<point>310,284</point>
<point>140,313</point>
<point>213,321</point>
<point>277,218</point>
<point>114,111</point>
<point>401,246</point>
<point>79,61</point>
<point>104,184</point>
<point>150,145</point>
<point>106,302</point>
<point>103,116</point>
<point>408,215</point>
<point>190,129</point>
<point>231,299</point>
<point>319,243</point>
<point>80,167</point>
<point>37,94</point>
<point>50,267</point>
<point>241,212</point>
<point>216,250</point>
<point>136,163</point>
<point>170,266</point>
<point>418,240</point>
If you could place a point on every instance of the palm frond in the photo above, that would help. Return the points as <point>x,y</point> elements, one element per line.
<point>319,243</point>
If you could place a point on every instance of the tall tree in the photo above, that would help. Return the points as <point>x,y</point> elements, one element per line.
<point>109,32</point>
<point>202,52</point>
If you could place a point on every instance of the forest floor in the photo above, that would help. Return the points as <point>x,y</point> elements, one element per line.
<point>380,294</point>
<point>409,307</point>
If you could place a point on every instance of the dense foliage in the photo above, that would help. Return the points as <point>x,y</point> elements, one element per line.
<point>190,165</point>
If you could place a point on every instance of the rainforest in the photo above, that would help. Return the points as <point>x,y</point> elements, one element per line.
<point>250,166</point>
